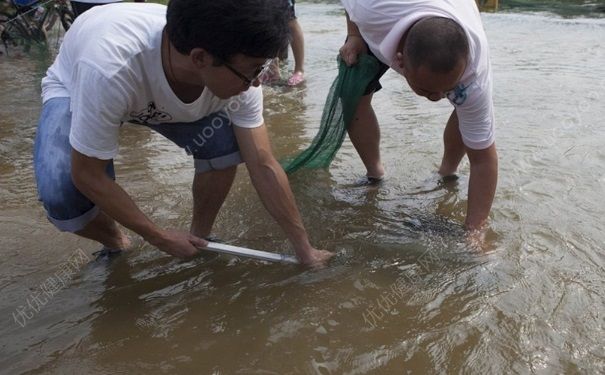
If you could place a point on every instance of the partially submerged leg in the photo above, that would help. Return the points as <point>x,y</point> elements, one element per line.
<point>105,230</point>
<point>215,152</point>
<point>365,136</point>
<point>298,50</point>
<point>209,192</point>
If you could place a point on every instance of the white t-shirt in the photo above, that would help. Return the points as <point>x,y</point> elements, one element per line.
<point>110,66</point>
<point>382,24</point>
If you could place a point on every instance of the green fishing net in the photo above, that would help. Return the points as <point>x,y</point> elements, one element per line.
<point>341,103</point>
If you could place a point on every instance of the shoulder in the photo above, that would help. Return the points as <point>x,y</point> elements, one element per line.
<point>253,97</point>
<point>114,32</point>
<point>246,109</point>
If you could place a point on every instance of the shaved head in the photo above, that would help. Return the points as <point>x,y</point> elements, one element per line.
<point>436,43</point>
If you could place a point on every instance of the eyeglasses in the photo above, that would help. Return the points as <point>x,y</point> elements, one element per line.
<point>257,73</point>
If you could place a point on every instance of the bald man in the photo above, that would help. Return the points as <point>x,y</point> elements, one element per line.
<point>440,48</point>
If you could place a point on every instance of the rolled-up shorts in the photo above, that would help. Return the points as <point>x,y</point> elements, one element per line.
<point>211,141</point>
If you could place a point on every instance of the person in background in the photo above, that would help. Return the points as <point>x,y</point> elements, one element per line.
<point>440,49</point>
<point>298,50</point>
<point>190,72</point>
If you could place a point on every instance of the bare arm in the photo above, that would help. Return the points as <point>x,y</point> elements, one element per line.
<point>271,183</point>
<point>482,185</point>
<point>352,29</point>
<point>88,175</point>
<point>354,45</point>
<point>484,172</point>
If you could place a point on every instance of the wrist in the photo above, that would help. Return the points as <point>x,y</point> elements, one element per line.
<point>302,248</point>
<point>153,235</point>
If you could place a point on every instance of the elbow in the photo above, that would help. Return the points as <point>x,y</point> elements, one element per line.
<point>88,182</point>
<point>89,175</point>
<point>79,178</point>
<point>82,181</point>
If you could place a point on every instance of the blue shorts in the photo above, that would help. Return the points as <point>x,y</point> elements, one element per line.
<point>210,141</point>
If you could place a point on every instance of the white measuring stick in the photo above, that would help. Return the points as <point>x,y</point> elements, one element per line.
<point>250,253</point>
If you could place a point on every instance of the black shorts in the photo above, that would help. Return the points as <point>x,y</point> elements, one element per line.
<point>374,84</point>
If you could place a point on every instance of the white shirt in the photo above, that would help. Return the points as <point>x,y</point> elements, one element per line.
<point>382,24</point>
<point>110,66</point>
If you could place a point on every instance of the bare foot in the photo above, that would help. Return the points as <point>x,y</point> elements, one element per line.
<point>121,242</point>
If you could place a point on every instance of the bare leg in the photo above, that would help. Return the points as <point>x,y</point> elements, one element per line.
<point>298,46</point>
<point>453,147</point>
<point>105,230</point>
<point>209,192</point>
<point>365,135</point>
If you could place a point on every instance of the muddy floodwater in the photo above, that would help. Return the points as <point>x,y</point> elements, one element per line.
<point>404,294</point>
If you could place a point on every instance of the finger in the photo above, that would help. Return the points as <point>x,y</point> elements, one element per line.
<point>351,59</point>
<point>198,242</point>
<point>345,57</point>
<point>327,256</point>
<point>321,261</point>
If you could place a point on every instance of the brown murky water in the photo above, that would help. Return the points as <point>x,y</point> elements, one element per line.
<point>404,293</point>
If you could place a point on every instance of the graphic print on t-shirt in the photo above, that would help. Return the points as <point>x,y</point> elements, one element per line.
<point>149,116</point>
<point>458,95</point>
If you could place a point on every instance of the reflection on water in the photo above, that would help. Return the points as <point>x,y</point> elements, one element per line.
<point>404,291</point>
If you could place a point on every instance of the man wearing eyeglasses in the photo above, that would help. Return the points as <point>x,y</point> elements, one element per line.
<point>189,72</point>
<point>440,48</point>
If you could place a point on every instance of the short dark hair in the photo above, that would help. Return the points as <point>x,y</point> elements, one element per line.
<point>224,28</point>
<point>436,42</point>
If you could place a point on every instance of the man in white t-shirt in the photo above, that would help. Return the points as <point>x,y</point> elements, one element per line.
<point>440,48</point>
<point>190,72</point>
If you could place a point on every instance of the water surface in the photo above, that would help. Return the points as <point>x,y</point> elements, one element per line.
<point>404,294</point>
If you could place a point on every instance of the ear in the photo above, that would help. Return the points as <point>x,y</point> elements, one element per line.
<point>399,60</point>
<point>200,58</point>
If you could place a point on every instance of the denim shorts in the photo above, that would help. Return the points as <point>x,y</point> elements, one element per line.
<point>211,141</point>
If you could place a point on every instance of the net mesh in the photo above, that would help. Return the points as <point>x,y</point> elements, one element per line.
<point>339,109</point>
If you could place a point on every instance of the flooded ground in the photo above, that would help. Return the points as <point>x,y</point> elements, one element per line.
<point>404,294</point>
